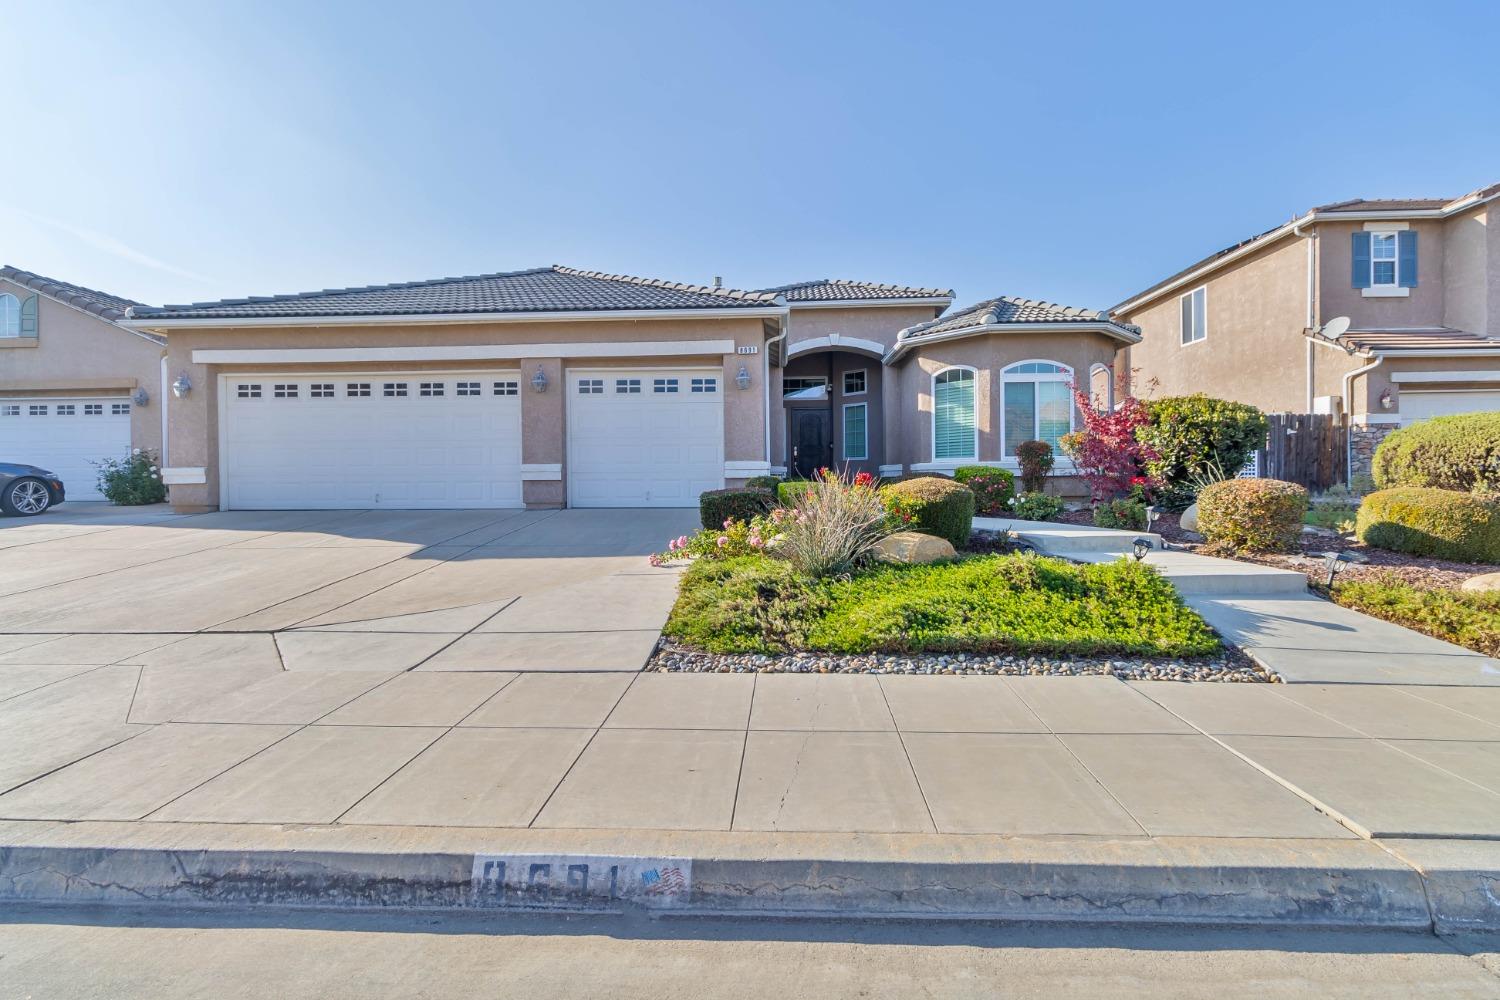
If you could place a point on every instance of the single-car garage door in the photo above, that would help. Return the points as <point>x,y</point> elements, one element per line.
<point>66,436</point>
<point>644,438</point>
<point>1421,405</point>
<point>411,440</point>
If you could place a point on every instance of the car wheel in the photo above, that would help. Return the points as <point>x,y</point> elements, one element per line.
<point>26,498</point>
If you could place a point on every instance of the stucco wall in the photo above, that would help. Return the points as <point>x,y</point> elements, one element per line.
<point>76,354</point>
<point>1467,267</point>
<point>874,323</point>
<point>1423,307</point>
<point>911,394</point>
<point>194,420</point>
<point>1255,351</point>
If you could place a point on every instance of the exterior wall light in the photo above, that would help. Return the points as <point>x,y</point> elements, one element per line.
<point>181,386</point>
<point>140,397</point>
<point>539,380</point>
<point>742,378</point>
<point>1140,547</point>
<point>1387,400</point>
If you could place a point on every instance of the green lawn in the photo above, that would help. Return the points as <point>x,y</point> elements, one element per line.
<point>1464,619</point>
<point>979,604</point>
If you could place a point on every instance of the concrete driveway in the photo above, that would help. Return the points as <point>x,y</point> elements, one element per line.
<point>243,594</point>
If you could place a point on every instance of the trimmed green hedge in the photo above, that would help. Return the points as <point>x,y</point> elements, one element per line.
<point>1461,452</point>
<point>1422,521</point>
<point>933,506</point>
<point>1190,432</point>
<point>763,483</point>
<point>1252,515</point>
<point>791,491</point>
<point>992,488</point>
<point>737,504</point>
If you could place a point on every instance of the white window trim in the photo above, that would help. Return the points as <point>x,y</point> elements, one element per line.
<point>844,432</point>
<point>1109,384</point>
<point>844,381</point>
<point>1385,287</point>
<point>1180,331</point>
<point>10,308</point>
<point>932,421</point>
<point>1066,375</point>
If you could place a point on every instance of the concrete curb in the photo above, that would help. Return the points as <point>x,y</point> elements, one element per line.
<point>1337,883</point>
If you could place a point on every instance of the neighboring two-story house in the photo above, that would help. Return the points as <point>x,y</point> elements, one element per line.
<point>1263,322</point>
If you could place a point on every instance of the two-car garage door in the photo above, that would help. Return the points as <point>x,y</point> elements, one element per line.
<point>393,440</point>
<point>66,436</point>
<point>635,438</point>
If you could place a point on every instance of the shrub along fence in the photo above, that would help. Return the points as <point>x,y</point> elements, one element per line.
<point>1304,448</point>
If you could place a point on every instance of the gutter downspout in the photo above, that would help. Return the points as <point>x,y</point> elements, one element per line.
<point>1312,314</point>
<point>164,395</point>
<point>786,328</point>
<point>1349,404</point>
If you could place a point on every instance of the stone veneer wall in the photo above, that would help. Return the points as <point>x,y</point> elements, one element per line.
<point>1364,441</point>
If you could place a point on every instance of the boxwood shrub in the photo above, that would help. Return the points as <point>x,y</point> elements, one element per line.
<point>933,506</point>
<point>1123,514</point>
<point>1190,433</point>
<point>763,483</point>
<point>1252,515</point>
<point>737,503</point>
<point>1461,452</point>
<point>1424,521</point>
<point>992,488</point>
<point>792,490</point>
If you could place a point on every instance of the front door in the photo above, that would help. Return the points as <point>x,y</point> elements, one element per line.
<point>812,442</point>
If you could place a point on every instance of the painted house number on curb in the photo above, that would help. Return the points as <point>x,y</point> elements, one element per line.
<point>571,879</point>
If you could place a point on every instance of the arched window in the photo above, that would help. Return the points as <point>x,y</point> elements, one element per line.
<point>955,432</point>
<point>10,315</point>
<point>1102,387</point>
<point>1036,403</point>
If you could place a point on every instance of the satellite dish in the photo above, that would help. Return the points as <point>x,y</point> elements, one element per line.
<point>1336,327</point>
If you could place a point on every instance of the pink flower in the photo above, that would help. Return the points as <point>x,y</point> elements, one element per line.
<point>723,541</point>
<point>682,541</point>
<point>755,542</point>
<point>672,545</point>
<point>728,521</point>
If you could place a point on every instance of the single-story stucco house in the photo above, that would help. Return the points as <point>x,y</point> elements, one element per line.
<point>558,387</point>
<point>76,384</point>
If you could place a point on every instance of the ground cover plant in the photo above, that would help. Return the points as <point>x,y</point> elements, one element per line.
<point>980,604</point>
<point>1471,620</point>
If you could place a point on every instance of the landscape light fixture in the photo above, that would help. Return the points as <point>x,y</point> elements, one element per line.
<point>1140,547</point>
<point>182,385</point>
<point>742,379</point>
<point>1335,562</point>
<point>539,380</point>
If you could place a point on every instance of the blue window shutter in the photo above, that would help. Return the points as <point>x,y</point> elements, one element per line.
<point>1406,252</point>
<point>29,317</point>
<point>1361,260</point>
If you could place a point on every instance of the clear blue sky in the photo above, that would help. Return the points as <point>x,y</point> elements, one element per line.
<point>1073,152</point>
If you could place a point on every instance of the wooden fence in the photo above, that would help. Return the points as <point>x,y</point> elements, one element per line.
<point>1305,448</point>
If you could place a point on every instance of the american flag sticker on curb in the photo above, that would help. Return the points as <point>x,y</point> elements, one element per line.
<point>573,880</point>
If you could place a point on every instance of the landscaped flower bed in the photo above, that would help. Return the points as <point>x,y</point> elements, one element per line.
<point>1013,604</point>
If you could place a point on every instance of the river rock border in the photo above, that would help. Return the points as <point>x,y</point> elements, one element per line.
<point>1230,666</point>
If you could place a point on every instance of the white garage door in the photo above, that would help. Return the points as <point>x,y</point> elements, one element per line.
<point>66,436</point>
<point>1421,405</point>
<point>644,438</point>
<point>414,441</point>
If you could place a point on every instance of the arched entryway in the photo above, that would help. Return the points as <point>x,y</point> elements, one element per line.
<point>831,399</point>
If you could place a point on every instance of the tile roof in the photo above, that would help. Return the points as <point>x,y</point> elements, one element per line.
<point>842,290</point>
<point>538,290</point>
<point>1438,338</point>
<point>101,304</point>
<point>1008,309</point>
<point>1383,205</point>
<point>1334,208</point>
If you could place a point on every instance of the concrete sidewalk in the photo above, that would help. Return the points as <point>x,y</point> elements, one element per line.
<point>1270,614</point>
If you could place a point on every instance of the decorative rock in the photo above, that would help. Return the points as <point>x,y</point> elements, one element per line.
<point>1189,520</point>
<point>913,547</point>
<point>1482,584</point>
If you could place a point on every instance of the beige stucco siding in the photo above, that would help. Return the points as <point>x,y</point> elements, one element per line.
<point>1254,351</point>
<point>1423,307</point>
<point>988,354</point>
<point>78,354</point>
<point>194,420</point>
<point>1467,273</point>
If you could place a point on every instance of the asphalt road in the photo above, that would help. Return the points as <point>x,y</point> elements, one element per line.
<point>118,954</point>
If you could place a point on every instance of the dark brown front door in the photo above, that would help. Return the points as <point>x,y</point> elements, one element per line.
<point>812,442</point>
